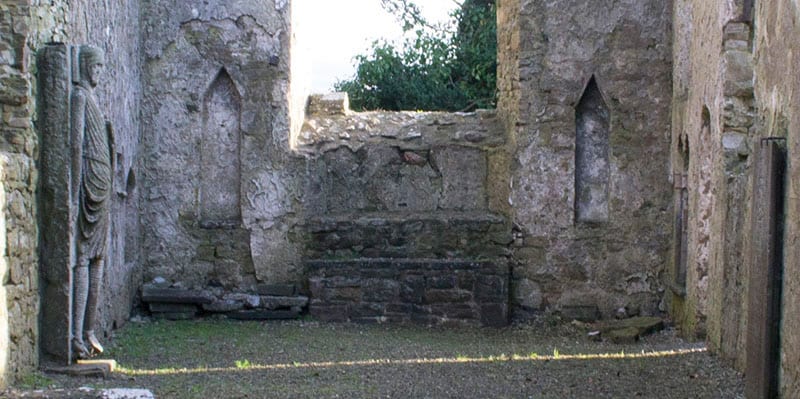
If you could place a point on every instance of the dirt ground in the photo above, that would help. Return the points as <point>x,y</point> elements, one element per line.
<point>303,359</point>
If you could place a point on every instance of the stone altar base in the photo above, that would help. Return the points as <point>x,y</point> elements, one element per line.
<point>424,291</point>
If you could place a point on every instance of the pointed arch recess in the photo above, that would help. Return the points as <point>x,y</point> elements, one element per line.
<point>220,147</point>
<point>592,167</point>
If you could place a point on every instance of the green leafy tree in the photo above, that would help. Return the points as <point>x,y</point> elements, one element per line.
<point>440,68</point>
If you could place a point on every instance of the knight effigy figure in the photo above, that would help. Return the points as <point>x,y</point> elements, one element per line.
<point>93,165</point>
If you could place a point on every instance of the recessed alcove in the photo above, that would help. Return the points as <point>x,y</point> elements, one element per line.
<point>592,170</point>
<point>220,164</point>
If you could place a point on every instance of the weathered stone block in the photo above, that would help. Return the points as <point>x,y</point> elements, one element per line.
<point>415,288</point>
<point>151,293</point>
<point>328,104</point>
<point>738,73</point>
<point>222,306</point>
<point>248,300</point>
<point>352,294</point>
<point>380,290</point>
<point>463,177</point>
<point>630,330</point>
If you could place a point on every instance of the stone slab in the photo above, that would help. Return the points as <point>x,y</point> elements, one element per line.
<point>152,293</point>
<point>97,370</point>
<point>222,306</point>
<point>57,211</point>
<point>630,330</point>
<point>111,364</point>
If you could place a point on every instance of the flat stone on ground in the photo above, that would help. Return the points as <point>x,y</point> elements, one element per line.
<point>98,369</point>
<point>630,330</point>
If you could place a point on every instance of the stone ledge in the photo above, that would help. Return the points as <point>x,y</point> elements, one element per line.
<point>330,125</point>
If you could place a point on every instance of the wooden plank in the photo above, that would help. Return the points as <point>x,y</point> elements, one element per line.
<point>765,272</point>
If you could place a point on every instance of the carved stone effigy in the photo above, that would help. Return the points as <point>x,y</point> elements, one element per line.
<point>77,165</point>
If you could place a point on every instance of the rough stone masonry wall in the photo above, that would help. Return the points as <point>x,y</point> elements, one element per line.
<point>402,185</point>
<point>20,35</point>
<point>712,138</point>
<point>736,88</point>
<point>612,259</point>
<point>397,204</point>
<point>114,26</point>
<point>220,197</point>
<point>777,99</point>
<point>24,27</point>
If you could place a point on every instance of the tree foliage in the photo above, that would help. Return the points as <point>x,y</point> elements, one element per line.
<point>449,68</point>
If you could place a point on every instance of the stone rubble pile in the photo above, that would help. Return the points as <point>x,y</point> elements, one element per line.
<point>268,302</point>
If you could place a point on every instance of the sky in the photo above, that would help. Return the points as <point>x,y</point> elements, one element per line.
<point>335,31</point>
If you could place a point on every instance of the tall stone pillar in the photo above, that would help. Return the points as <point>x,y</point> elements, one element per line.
<point>57,205</point>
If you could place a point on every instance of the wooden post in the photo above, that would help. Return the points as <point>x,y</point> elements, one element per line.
<point>764,302</point>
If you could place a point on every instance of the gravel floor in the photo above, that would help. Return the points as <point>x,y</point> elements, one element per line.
<point>222,359</point>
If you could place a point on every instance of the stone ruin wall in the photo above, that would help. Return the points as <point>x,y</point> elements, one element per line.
<point>417,177</point>
<point>24,28</point>
<point>733,87</point>
<point>611,253</point>
<point>546,61</point>
<point>221,194</point>
<point>241,223</point>
<point>711,145</point>
<point>777,99</point>
<point>400,217</point>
